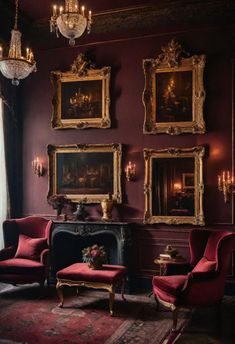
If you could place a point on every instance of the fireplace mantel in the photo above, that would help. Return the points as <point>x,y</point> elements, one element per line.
<point>69,237</point>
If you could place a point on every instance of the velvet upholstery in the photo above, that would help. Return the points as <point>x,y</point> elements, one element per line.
<point>204,284</point>
<point>81,272</point>
<point>30,248</point>
<point>25,257</point>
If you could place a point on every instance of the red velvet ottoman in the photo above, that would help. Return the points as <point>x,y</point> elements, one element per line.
<point>79,274</point>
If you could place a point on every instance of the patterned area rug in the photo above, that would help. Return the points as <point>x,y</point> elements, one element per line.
<point>28,318</point>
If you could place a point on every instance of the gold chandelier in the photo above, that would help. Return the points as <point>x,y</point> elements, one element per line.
<point>15,66</point>
<point>71,21</point>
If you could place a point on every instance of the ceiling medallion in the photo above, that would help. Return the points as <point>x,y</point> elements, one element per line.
<point>15,66</point>
<point>71,22</point>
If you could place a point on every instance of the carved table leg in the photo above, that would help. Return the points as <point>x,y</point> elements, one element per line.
<point>111,300</point>
<point>59,290</point>
<point>174,310</point>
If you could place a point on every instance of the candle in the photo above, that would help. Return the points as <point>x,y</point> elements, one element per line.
<point>0,51</point>
<point>27,53</point>
<point>89,15</point>
<point>54,10</point>
<point>83,10</point>
<point>61,10</point>
<point>223,176</point>
<point>219,181</point>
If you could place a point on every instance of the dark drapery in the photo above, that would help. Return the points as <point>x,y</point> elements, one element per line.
<point>13,148</point>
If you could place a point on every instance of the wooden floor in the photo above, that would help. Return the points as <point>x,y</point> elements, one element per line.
<point>209,327</point>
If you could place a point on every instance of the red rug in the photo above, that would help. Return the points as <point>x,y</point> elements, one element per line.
<point>27,318</point>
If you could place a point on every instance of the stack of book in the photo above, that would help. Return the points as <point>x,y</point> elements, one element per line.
<point>167,256</point>
<point>170,254</point>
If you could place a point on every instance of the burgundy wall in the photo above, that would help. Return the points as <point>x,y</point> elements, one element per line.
<point>127,115</point>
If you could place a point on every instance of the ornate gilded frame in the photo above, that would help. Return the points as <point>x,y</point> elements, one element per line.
<point>197,153</point>
<point>82,70</point>
<point>171,60</point>
<point>55,170</point>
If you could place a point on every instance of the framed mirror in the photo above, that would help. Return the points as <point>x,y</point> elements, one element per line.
<point>174,186</point>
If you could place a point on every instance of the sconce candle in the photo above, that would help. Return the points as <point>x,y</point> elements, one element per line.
<point>225,185</point>
<point>130,171</point>
<point>38,167</point>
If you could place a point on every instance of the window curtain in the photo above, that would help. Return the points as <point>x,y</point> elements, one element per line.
<point>3,176</point>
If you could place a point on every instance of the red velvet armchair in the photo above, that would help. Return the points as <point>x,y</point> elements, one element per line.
<point>204,284</point>
<point>25,256</point>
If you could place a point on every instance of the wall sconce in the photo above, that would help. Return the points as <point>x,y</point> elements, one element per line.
<point>130,171</point>
<point>225,185</point>
<point>177,187</point>
<point>38,167</point>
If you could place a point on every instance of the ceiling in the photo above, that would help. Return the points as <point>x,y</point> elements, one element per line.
<point>114,19</point>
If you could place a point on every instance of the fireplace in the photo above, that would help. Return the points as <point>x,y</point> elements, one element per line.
<point>69,238</point>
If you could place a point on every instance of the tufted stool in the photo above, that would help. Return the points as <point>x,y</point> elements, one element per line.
<point>79,274</point>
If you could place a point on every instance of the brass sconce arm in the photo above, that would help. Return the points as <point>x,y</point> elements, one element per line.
<point>225,185</point>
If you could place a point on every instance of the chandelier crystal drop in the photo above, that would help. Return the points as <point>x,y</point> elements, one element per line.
<point>71,21</point>
<point>16,66</point>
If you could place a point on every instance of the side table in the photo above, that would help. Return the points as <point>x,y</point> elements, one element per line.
<point>164,262</point>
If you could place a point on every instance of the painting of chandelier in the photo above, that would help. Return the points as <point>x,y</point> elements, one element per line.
<point>81,105</point>
<point>16,66</point>
<point>71,21</point>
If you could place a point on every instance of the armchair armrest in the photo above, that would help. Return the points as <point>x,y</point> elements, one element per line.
<point>194,277</point>
<point>7,253</point>
<point>45,257</point>
<point>202,275</point>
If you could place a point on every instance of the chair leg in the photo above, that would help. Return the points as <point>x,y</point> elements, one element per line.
<point>174,310</point>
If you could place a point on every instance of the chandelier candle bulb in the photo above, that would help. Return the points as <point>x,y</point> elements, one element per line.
<point>83,11</point>
<point>54,10</point>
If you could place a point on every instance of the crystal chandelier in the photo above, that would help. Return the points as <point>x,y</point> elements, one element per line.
<point>16,66</point>
<point>71,22</point>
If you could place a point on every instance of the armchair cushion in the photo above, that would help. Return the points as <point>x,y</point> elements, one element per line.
<point>170,284</point>
<point>21,266</point>
<point>205,265</point>
<point>30,248</point>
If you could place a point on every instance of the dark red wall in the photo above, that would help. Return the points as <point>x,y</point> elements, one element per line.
<point>127,115</point>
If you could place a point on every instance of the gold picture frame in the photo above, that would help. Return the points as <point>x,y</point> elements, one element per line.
<point>88,172</point>
<point>81,96</point>
<point>174,94</point>
<point>188,181</point>
<point>165,199</point>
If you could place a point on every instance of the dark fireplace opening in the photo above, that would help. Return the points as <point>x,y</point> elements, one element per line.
<point>68,246</point>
